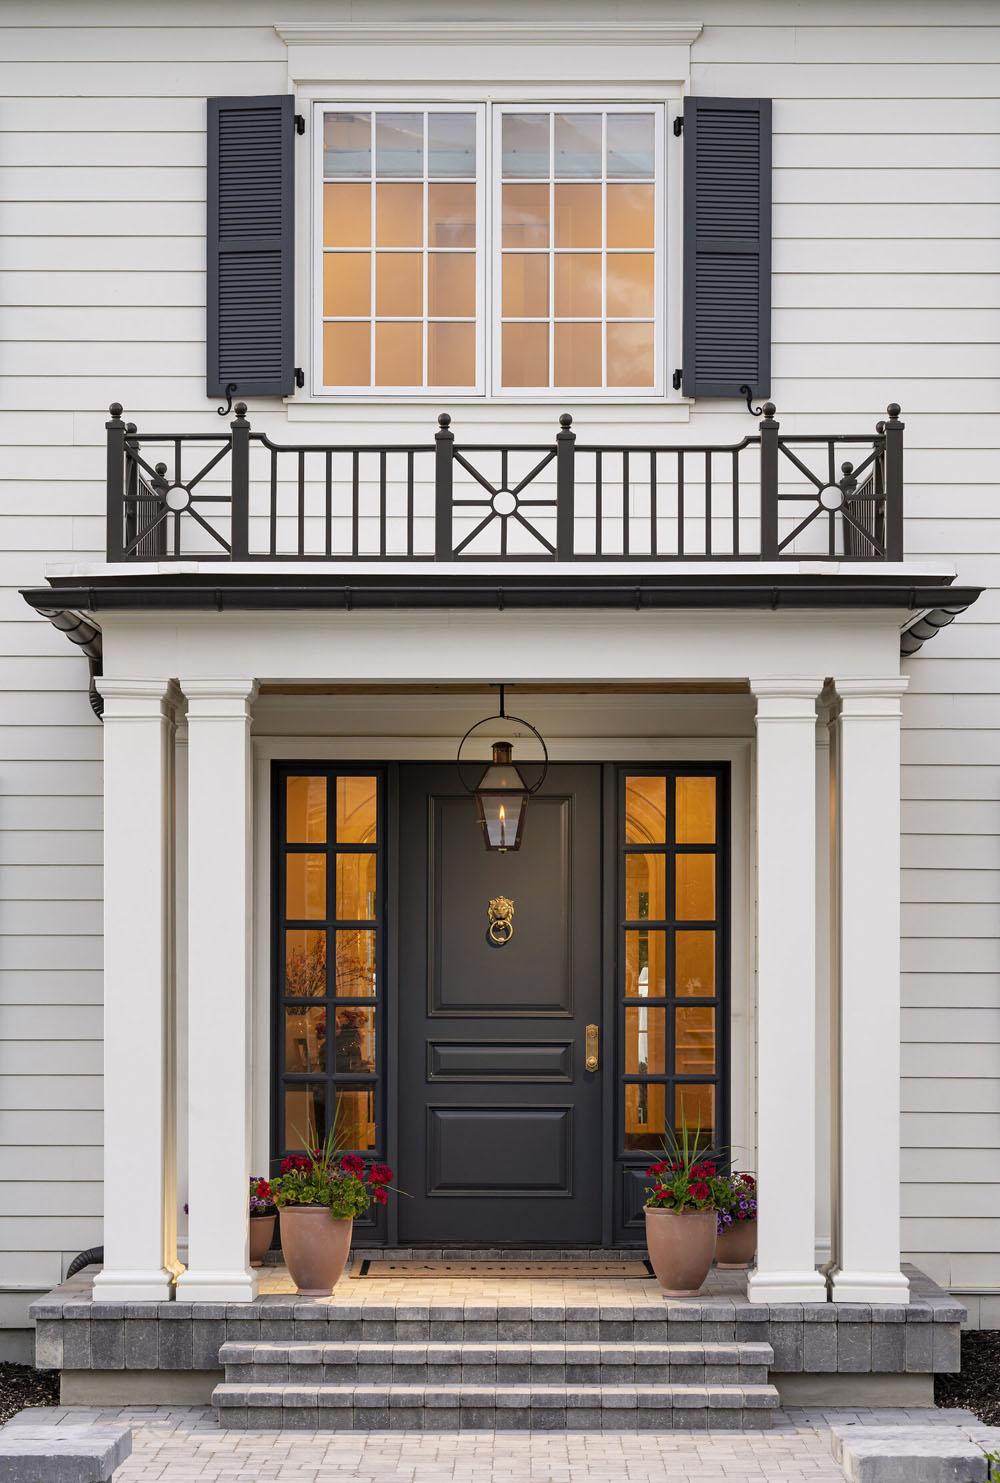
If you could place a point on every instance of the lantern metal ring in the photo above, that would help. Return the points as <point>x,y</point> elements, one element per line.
<point>502,794</point>
<point>502,715</point>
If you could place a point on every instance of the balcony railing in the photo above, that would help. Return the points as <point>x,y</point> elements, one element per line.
<point>237,496</point>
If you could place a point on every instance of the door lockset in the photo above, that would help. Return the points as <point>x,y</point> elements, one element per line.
<point>592,1061</point>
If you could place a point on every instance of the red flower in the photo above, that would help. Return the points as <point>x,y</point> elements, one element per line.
<point>708,1170</point>
<point>748,1179</point>
<point>655,1169</point>
<point>351,1163</point>
<point>675,1168</point>
<point>379,1174</point>
<point>698,1191</point>
<point>262,1190</point>
<point>295,1162</point>
<point>379,1196</point>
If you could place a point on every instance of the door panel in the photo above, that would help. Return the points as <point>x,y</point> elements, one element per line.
<point>500,1122</point>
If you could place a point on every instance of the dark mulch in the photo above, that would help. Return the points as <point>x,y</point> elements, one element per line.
<point>22,1386</point>
<point>977,1386</point>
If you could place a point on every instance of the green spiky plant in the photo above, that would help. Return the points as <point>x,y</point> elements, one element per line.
<point>329,1176</point>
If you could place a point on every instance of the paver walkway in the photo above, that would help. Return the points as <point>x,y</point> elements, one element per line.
<point>184,1445</point>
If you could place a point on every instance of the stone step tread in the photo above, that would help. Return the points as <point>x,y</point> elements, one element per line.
<point>489,1351</point>
<point>615,1397</point>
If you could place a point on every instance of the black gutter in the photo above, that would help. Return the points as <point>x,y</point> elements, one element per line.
<point>234,593</point>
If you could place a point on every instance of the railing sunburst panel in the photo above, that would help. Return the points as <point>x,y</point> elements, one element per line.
<point>239,496</point>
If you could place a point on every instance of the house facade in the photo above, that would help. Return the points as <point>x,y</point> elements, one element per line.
<point>531,348</point>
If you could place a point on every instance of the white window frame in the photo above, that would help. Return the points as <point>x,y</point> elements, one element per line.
<point>372,391</point>
<point>488,390</point>
<point>638,393</point>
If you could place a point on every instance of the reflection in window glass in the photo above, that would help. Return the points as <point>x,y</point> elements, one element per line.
<point>631,145</point>
<point>305,1039</point>
<point>305,1115</point>
<point>645,965</point>
<point>694,1106</point>
<point>356,887</point>
<point>306,811</point>
<point>694,1040</point>
<point>355,976</point>
<point>347,144</point>
<point>645,1116</point>
<point>525,144</point>
<point>578,144</point>
<point>646,810</point>
<point>451,144</point>
<point>645,887</point>
<point>357,799</point>
<point>354,1043</point>
<point>694,964</point>
<point>645,1042</point>
<point>399,144</point>
<point>305,963</point>
<point>354,1118</point>
<point>305,887</point>
<point>695,811</point>
<point>695,888</point>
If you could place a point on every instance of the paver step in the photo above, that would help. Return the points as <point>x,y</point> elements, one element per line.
<point>494,1407</point>
<point>486,1363</point>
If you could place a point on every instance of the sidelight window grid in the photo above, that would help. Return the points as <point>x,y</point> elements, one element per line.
<point>670,923</point>
<point>325,1078</point>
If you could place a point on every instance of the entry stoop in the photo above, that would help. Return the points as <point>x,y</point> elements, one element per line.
<point>504,1385</point>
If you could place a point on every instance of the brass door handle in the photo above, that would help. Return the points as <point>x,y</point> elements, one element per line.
<point>592,1061</point>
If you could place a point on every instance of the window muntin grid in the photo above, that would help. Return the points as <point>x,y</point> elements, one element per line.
<point>578,250</point>
<point>401,248</point>
<point>627,336</point>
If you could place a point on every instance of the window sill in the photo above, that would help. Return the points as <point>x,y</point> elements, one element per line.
<point>536,411</point>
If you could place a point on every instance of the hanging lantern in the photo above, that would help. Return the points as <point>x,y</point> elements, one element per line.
<point>502,794</point>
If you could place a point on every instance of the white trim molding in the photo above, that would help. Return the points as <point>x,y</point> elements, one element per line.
<point>488,33</point>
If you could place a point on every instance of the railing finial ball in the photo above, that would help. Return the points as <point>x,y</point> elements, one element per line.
<point>131,427</point>
<point>444,419</point>
<point>894,410</point>
<point>566,419</point>
<point>241,410</point>
<point>769,409</point>
<point>115,409</point>
<point>847,467</point>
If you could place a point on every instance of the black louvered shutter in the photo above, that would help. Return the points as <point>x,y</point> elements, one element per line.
<point>727,246</point>
<point>250,288</point>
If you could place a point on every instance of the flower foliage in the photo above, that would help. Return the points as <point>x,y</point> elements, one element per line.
<point>739,1202</point>
<point>688,1177</point>
<point>261,1197</point>
<point>327,1176</point>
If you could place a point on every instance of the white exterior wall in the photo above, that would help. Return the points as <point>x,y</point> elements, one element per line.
<point>887,211</point>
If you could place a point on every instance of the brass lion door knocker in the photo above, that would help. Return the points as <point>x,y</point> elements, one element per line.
<point>501,928</point>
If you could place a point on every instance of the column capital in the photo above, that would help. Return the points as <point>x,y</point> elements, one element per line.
<point>786,697</point>
<point>137,699</point>
<point>869,697</point>
<point>219,699</point>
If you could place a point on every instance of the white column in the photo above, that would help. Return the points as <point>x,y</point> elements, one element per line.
<point>786,992</point>
<point>219,991</point>
<point>824,1113</point>
<point>180,978</point>
<point>866,1255</point>
<point>139,1220</point>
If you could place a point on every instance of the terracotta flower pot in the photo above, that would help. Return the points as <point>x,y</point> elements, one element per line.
<point>316,1247</point>
<point>681,1246</point>
<point>261,1236</point>
<point>735,1246</point>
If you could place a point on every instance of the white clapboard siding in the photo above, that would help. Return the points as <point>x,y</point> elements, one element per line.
<point>887,215</point>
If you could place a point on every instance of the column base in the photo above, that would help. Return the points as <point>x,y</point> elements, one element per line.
<point>786,1287</point>
<point>123,1286</point>
<point>868,1287</point>
<point>216,1287</point>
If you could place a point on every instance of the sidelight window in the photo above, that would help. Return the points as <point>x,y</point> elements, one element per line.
<point>672,958</point>
<point>329,910</point>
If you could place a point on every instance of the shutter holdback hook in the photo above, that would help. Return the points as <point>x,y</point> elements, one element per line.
<point>747,391</point>
<point>228,393</point>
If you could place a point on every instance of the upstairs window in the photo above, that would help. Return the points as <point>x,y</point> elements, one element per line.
<point>518,253</point>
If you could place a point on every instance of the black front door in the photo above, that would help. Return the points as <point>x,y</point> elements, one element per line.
<point>499,1120</point>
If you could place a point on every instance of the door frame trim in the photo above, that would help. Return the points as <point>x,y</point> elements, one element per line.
<point>737,750</point>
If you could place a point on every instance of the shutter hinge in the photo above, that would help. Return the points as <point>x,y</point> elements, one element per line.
<point>677,379</point>
<point>679,125</point>
<point>300,124</point>
<point>300,377</point>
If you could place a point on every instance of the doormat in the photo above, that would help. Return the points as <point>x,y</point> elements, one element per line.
<point>374,1267</point>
